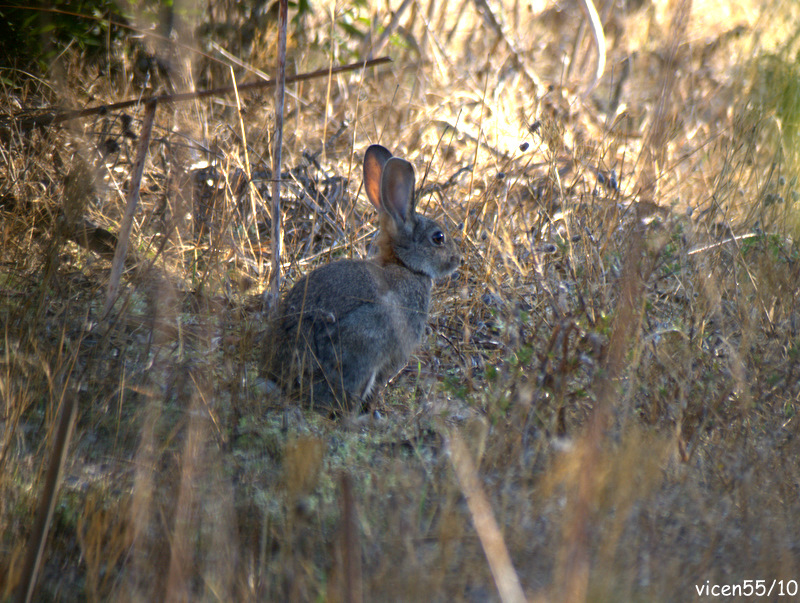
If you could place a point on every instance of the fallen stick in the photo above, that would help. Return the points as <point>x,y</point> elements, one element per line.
<point>49,117</point>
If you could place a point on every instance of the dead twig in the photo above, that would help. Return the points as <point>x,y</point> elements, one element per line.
<point>280,92</point>
<point>47,501</point>
<point>351,545</point>
<point>133,199</point>
<point>47,118</point>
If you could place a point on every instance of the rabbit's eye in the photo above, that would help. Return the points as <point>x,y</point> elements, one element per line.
<point>438,238</point>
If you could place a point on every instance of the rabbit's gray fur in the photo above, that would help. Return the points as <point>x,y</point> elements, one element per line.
<point>348,327</point>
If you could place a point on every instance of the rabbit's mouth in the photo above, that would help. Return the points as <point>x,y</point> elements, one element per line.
<point>452,265</point>
<point>437,271</point>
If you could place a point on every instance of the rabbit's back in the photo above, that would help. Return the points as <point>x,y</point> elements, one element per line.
<point>345,328</point>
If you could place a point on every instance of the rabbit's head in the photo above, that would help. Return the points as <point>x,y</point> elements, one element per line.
<point>414,241</point>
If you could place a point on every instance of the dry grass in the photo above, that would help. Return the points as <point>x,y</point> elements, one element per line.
<point>618,357</point>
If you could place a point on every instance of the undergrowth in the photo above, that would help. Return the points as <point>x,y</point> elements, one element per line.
<point>619,351</point>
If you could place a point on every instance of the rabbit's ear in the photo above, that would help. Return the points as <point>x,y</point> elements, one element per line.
<point>397,190</point>
<point>374,160</point>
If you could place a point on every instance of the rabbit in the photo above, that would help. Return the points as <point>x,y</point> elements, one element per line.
<point>345,329</point>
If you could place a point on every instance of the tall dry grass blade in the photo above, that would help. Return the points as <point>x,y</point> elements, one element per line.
<point>280,92</point>
<point>141,510</point>
<point>248,172</point>
<point>599,40</point>
<point>47,502</point>
<point>494,546</point>
<point>576,554</point>
<point>130,208</point>
<point>655,147</point>
<point>182,538</point>
<point>351,544</point>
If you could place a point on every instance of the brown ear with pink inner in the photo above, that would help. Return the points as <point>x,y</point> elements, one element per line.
<point>374,160</point>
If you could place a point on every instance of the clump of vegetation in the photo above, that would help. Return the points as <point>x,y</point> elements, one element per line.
<point>605,407</point>
<point>35,33</point>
